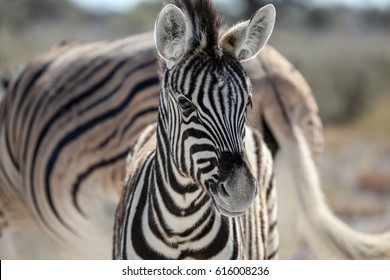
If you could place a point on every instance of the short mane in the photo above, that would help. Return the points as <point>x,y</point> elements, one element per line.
<point>204,24</point>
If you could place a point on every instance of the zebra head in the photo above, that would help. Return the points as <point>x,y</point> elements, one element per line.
<point>204,96</point>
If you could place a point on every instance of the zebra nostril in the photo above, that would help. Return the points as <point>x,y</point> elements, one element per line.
<point>223,190</point>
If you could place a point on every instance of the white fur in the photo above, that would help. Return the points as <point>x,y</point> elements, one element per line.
<point>246,39</point>
<point>171,34</point>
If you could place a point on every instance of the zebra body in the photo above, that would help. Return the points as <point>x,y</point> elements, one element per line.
<point>198,188</point>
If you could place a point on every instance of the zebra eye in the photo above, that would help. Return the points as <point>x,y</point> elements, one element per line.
<point>185,104</point>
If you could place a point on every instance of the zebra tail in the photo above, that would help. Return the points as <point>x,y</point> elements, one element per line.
<point>328,236</point>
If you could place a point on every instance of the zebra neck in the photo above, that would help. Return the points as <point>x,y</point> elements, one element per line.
<point>178,187</point>
<point>174,195</point>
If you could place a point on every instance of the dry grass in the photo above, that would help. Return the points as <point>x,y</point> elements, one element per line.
<point>373,125</point>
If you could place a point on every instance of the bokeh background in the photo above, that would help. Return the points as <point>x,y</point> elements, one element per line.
<point>342,47</point>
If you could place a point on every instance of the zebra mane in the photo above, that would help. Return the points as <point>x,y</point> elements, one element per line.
<point>204,23</point>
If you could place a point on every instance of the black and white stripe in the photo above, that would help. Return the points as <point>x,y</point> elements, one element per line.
<point>166,216</point>
<point>64,119</point>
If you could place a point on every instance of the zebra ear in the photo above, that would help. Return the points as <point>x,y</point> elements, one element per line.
<point>246,39</point>
<point>171,34</point>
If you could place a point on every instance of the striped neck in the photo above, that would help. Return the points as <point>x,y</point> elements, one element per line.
<point>179,204</point>
<point>183,214</point>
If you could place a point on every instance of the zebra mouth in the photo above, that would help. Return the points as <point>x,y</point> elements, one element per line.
<point>226,204</point>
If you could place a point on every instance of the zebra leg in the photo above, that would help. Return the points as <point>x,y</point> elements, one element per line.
<point>267,173</point>
<point>264,218</point>
<point>273,233</point>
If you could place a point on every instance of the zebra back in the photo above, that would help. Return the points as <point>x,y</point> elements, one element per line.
<point>67,124</point>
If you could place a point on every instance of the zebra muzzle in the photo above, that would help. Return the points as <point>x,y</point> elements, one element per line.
<point>233,196</point>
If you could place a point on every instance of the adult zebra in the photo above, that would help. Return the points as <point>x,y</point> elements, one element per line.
<point>199,184</point>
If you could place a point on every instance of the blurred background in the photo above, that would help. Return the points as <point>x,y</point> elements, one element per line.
<point>342,47</point>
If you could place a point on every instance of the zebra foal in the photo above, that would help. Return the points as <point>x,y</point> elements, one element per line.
<point>199,183</point>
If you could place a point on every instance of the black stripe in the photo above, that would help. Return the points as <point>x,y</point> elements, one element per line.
<point>53,89</point>
<point>155,207</point>
<point>128,189</point>
<point>208,217</point>
<point>272,226</point>
<point>15,163</point>
<point>197,66</point>
<point>235,242</point>
<point>250,233</point>
<point>72,102</point>
<point>153,223</point>
<point>34,78</point>
<point>139,243</point>
<point>215,247</point>
<point>63,110</point>
<point>79,77</point>
<point>269,138</point>
<point>273,254</point>
<point>139,115</point>
<point>262,229</point>
<point>73,135</point>
<point>106,140</point>
<point>45,96</point>
<point>173,184</point>
<point>270,187</point>
<point>81,177</point>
